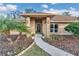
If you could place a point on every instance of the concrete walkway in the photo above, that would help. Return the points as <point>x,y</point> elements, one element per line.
<point>49,48</point>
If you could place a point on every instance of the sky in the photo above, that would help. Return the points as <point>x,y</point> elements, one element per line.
<point>57,8</point>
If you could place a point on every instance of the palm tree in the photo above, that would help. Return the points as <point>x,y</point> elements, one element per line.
<point>6,24</point>
<point>21,27</point>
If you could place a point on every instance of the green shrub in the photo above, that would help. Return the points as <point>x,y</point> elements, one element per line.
<point>32,34</point>
<point>73,28</point>
<point>56,37</point>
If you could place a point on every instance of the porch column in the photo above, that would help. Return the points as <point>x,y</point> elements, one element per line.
<point>44,26</point>
<point>47,26</point>
<point>32,26</point>
<point>28,24</point>
<point>28,21</point>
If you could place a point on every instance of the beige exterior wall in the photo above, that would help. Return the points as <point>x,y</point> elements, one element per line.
<point>61,30</point>
<point>45,26</point>
<point>62,21</point>
<point>15,32</point>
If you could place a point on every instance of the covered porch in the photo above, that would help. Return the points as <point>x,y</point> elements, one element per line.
<point>38,23</point>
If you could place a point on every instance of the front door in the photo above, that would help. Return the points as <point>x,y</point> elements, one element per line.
<point>38,27</point>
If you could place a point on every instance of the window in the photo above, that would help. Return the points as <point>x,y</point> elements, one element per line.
<point>56,28</point>
<point>53,27</point>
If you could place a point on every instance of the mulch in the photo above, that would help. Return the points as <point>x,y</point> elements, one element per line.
<point>7,49</point>
<point>69,44</point>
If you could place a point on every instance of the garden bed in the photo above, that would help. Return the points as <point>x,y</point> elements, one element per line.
<point>8,49</point>
<point>67,43</point>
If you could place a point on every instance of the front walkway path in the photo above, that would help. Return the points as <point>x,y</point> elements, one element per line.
<point>48,48</point>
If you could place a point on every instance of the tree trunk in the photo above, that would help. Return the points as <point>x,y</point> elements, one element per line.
<point>18,37</point>
<point>7,34</point>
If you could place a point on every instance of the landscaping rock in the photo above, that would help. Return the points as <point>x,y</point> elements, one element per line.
<point>2,38</point>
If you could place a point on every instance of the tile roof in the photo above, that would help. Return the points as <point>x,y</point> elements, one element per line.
<point>63,18</point>
<point>55,17</point>
<point>37,14</point>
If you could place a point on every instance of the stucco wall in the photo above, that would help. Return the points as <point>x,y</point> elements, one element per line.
<point>45,27</point>
<point>61,29</point>
<point>15,32</point>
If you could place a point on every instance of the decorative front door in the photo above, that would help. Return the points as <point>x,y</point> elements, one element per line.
<point>38,27</point>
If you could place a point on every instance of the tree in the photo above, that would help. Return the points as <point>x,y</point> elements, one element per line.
<point>20,27</point>
<point>14,14</point>
<point>77,18</point>
<point>66,14</point>
<point>29,10</point>
<point>73,28</point>
<point>7,24</point>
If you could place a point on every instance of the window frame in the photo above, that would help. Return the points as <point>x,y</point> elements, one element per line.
<point>53,28</point>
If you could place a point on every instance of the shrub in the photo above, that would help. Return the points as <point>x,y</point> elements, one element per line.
<point>73,28</point>
<point>56,37</point>
<point>32,34</point>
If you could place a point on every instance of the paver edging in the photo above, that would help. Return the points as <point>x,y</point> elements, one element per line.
<point>25,50</point>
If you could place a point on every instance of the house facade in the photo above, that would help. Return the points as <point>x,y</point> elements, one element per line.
<point>47,23</point>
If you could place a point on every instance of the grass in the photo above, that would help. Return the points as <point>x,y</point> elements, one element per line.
<point>35,51</point>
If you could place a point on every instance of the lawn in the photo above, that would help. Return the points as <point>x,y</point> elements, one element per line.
<point>35,51</point>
